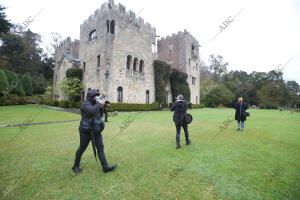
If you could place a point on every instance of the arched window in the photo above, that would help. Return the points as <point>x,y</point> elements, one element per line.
<point>135,61</point>
<point>120,95</point>
<point>147,96</point>
<point>107,25</point>
<point>128,62</point>
<point>92,35</point>
<point>141,66</point>
<point>112,26</point>
<point>193,47</point>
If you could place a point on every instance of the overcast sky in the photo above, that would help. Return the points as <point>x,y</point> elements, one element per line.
<point>264,34</point>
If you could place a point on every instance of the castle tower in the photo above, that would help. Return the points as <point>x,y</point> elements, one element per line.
<point>116,54</point>
<point>181,51</point>
<point>66,57</point>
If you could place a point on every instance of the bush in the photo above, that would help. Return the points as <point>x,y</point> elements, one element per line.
<point>3,83</point>
<point>195,106</point>
<point>49,102</point>
<point>133,107</point>
<point>74,73</point>
<point>27,85</point>
<point>13,99</point>
<point>63,104</point>
<point>78,104</point>
<point>55,103</point>
<point>13,81</point>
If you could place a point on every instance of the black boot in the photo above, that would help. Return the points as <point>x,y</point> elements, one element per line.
<point>109,168</point>
<point>188,142</point>
<point>76,169</point>
<point>178,146</point>
<point>106,118</point>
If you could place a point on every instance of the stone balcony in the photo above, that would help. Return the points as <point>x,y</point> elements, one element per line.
<point>135,74</point>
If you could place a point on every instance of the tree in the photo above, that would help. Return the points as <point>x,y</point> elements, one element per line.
<point>5,25</point>
<point>218,66</point>
<point>72,87</point>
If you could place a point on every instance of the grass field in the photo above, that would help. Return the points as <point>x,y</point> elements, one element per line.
<point>261,163</point>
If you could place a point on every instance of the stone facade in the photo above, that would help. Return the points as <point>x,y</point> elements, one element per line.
<point>181,51</point>
<point>66,57</point>
<point>116,53</point>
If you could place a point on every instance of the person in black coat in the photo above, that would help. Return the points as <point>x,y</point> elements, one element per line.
<point>91,109</point>
<point>105,109</point>
<point>240,109</point>
<point>179,108</point>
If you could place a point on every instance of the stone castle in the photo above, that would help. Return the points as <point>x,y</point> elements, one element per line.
<point>116,51</point>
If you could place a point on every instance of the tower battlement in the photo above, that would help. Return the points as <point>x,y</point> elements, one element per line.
<point>120,9</point>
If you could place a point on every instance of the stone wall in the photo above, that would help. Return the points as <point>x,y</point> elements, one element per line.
<point>183,58</point>
<point>131,37</point>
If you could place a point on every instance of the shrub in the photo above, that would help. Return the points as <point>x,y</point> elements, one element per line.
<point>55,103</point>
<point>72,87</point>
<point>74,73</point>
<point>133,107</point>
<point>13,81</point>
<point>63,104</point>
<point>27,85</point>
<point>3,83</point>
<point>78,104</point>
<point>13,99</point>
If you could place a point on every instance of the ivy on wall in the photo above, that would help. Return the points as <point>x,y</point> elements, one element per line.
<point>163,73</point>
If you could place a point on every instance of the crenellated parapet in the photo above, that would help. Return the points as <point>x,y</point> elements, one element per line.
<point>120,10</point>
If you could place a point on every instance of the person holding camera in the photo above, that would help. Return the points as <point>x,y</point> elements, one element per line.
<point>105,109</point>
<point>90,128</point>
<point>179,108</point>
<point>240,113</point>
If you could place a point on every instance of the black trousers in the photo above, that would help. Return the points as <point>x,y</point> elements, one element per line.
<point>85,138</point>
<point>106,115</point>
<point>186,132</point>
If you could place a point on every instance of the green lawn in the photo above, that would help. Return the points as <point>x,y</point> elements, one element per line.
<point>261,163</point>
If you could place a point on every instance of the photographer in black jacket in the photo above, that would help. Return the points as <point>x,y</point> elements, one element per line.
<point>105,109</point>
<point>179,108</point>
<point>91,110</point>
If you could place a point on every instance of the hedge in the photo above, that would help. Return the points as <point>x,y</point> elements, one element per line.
<point>74,73</point>
<point>13,81</point>
<point>195,106</point>
<point>13,99</point>
<point>133,107</point>
<point>3,83</point>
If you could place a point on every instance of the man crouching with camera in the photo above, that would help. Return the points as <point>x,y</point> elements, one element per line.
<point>91,126</point>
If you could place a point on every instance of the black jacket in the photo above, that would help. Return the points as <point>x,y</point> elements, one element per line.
<point>89,108</point>
<point>179,108</point>
<point>239,110</point>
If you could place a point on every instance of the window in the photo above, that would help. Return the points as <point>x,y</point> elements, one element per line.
<point>193,47</point>
<point>98,61</point>
<point>135,61</point>
<point>92,35</point>
<point>141,66</point>
<point>193,80</point>
<point>107,25</point>
<point>170,49</point>
<point>83,67</point>
<point>147,96</point>
<point>120,95</point>
<point>196,66</point>
<point>128,62</point>
<point>189,62</point>
<point>112,26</point>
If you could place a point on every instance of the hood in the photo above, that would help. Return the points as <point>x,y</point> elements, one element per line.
<point>91,94</point>
<point>180,103</point>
